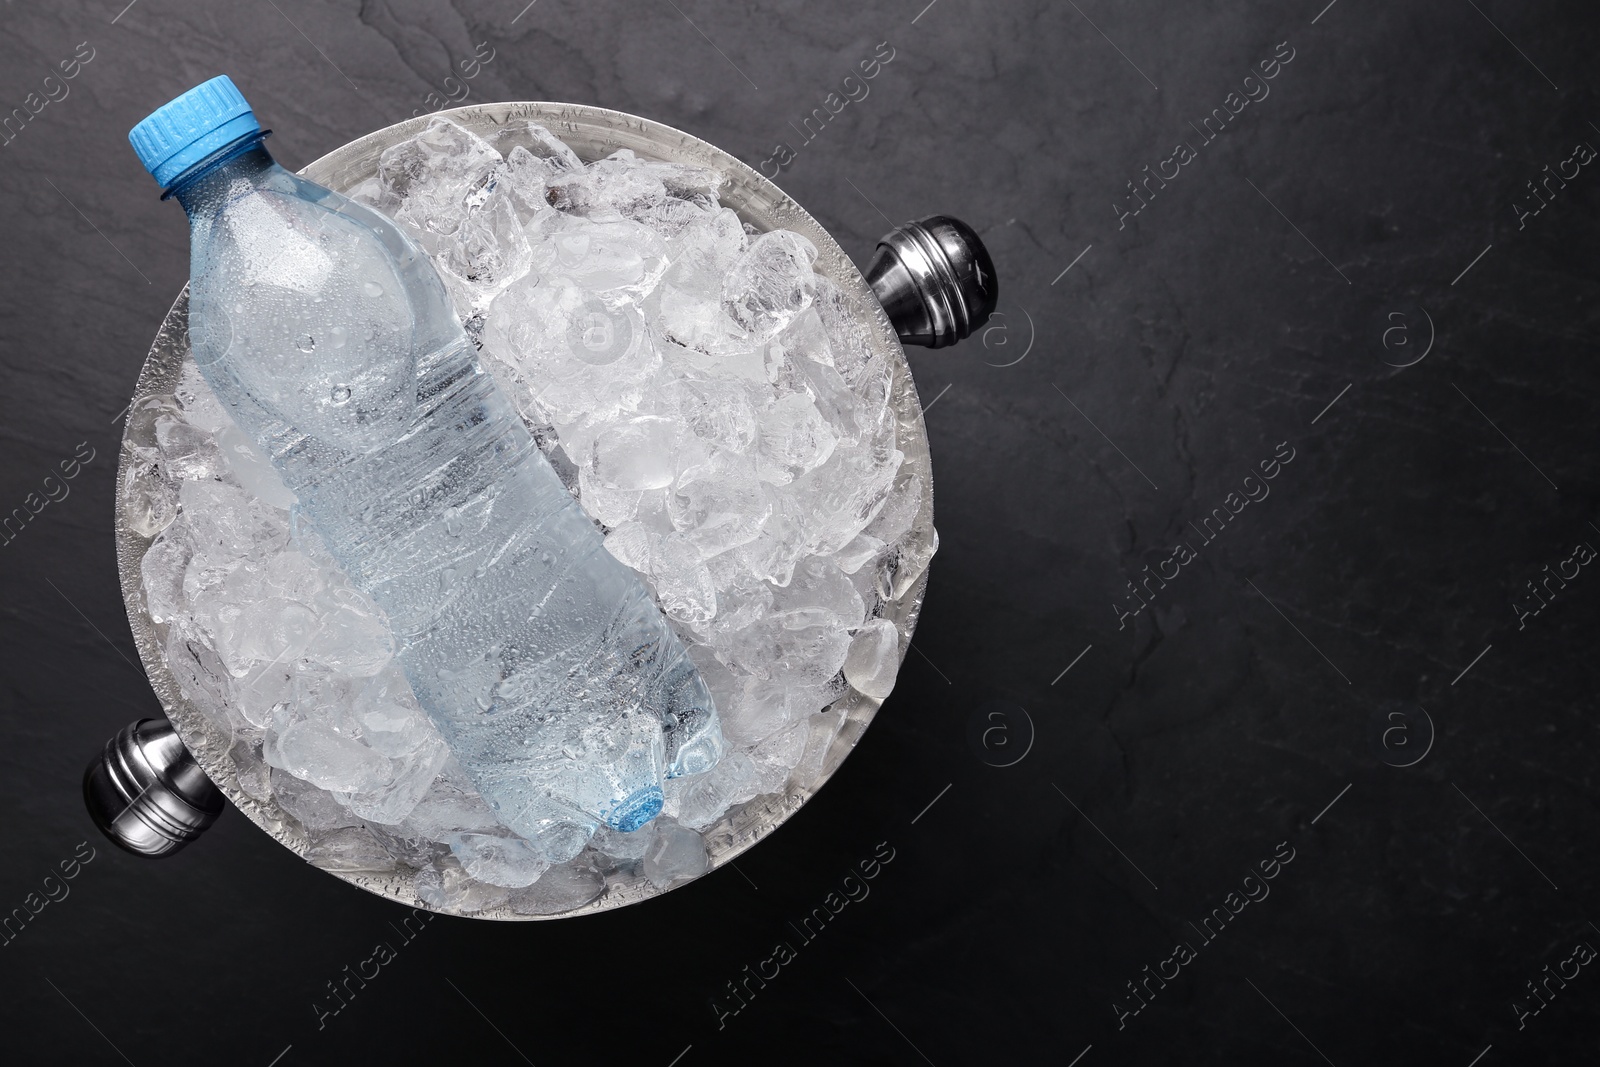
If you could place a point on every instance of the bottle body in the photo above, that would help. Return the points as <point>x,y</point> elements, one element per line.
<point>543,661</point>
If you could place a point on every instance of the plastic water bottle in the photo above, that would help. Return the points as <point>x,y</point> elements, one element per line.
<point>323,328</point>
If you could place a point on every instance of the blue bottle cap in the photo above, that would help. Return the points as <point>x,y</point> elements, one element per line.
<point>182,132</point>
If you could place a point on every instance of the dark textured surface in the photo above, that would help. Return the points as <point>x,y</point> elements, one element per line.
<point>1221,721</point>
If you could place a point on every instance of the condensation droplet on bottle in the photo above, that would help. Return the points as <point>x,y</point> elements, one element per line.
<point>306,343</point>
<point>372,289</point>
<point>340,395</point>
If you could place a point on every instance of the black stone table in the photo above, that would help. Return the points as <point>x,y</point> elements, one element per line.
<point>1251,716</point>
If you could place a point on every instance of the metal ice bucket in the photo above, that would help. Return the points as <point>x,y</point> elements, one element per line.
<point>931,284</point>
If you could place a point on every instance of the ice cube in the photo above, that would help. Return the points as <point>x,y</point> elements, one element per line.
<point>850,327</point>
<point>713,342</point>
<point>682,582</point>
<point>775,758</point>
<point>629,846</point>
<point>791,656</point>
<point>250,770</point>
<point>439,176</point>
<point>820,757</point>
<point>314,808</point>
<point>161,574</point>
<point>149,499</point>
<point>676,854</point>
<point>719,504</point>
<point>489,250</point>
<point>201,677</point>
<point>140,426</point>
<point>313,738</point>
<point>614,185</point>
<point>561,888</point>
<point>264,691</point>
<point>770,283</point>
<point>775,551</point>
<point>624,184</point>
<point>839,498</point>
<point>805,339</point>
<point>543,146</point>
<point>609,507</point>
<point>637,453</point>
<point>705,250</point>
<point>227,525</point>
<point>874,658</point>
<point>309,750</point>
<point>570,360</point>
<point>249,625</point>
<point>560,832</point>
<point>499,859</point>
<point>820,594</point>
<point>348,849</point>
<point>911,559</point>
<point>862,550</point>
<point>770,705</point>
<point>742,597</point>
<point>899,510</point>
<point>849,415</point>
<point>449,888</point>
<point>615,257</point>
<point>187,452</point>
<point>408,778</point>
<point>388,716</point>
<point>794,439</point>
<point>371,192</point>
<point>672,216</point>
<point>719,413</point>
<point>449,806</point>
<point>700,800</point>
<point>525,179</point>
<point>630,543</point>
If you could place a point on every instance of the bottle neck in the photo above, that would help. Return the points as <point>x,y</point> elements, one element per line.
<point>205,185</point>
